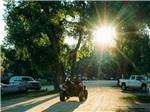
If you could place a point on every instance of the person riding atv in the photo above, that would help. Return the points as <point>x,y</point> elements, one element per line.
<point>72,88</point>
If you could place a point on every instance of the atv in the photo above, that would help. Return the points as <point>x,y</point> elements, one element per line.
<point>71,89</point>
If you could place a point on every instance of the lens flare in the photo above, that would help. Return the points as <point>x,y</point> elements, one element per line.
<point>104,36</point>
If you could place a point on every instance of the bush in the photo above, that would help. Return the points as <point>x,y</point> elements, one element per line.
<point>44,82</point>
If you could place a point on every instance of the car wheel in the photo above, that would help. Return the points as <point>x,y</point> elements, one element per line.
<point>123,86</point>
<point>38,89</point>
<point>144,88</point>
<point>62,96</point>
<point>23,89</point>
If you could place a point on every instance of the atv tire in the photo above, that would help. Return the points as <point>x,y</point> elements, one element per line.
<point>85,94</point>
<point>81,96</point>
<point>62,96</point>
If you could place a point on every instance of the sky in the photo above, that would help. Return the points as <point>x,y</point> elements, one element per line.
<point>2,23</point>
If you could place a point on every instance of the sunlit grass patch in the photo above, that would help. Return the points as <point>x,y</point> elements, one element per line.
<point>123,110</point>
<point>137,98</point>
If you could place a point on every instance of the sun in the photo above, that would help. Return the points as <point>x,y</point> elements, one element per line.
<point>104,35</point>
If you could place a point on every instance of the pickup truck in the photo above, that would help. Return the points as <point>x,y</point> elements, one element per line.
<point>135,82</point>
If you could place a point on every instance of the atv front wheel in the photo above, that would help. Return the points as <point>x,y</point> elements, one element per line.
<point>81,97</point>
<point>85,94</point>
<point>62,96</point>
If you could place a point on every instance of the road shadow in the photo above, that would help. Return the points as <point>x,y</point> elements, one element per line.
<point>25,106</point>
<point>138,109</point>
<point>134,92</point>
<point>137,100</point>
<point>133,110</point>
<point>15,98</point>
<point>68,106</point>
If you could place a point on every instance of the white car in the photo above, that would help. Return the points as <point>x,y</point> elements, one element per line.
<point>135,82</point>
<point>26,82</point>
<point>7,88</point>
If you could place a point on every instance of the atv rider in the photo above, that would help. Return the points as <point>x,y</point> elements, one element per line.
<point>69,83</point>
<point>77,82</point>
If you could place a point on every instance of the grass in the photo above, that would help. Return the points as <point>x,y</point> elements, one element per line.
<point>126,110</point>
<point>27,94</point>
<point>132,99</point>
<point>137,98</point>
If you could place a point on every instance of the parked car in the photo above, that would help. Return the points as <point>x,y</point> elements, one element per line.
<point>135,82</point>
<point>26,82</point>
<point>8,88</point>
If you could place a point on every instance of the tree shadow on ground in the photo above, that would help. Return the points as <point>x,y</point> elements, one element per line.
<point>133,110</point>
<point>134,91</point>
<point>14,98</point>
<point>138,101</point>
<point>25,106</point>
<point>68,106</point>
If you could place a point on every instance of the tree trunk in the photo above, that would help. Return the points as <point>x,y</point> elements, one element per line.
<point>58,74</point>
<point>74,55</point>
<point>56,82</point>
<point>55,67</point>
<point>73,63</point>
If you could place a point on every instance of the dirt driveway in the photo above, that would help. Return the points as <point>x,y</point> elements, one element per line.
<point>103,97</point>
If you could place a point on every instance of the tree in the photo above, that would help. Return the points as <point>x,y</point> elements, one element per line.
<point>131,36</point>
<point>12,64</point>
<point>35,30</point>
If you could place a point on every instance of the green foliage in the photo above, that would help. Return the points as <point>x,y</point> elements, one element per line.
<point>37,29</point>
<point>12,64</point>
<point>33,27</point>
<point>44,82</point>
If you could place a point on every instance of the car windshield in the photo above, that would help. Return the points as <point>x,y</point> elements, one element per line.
<point>27,79</point>
<point>141,78</point>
